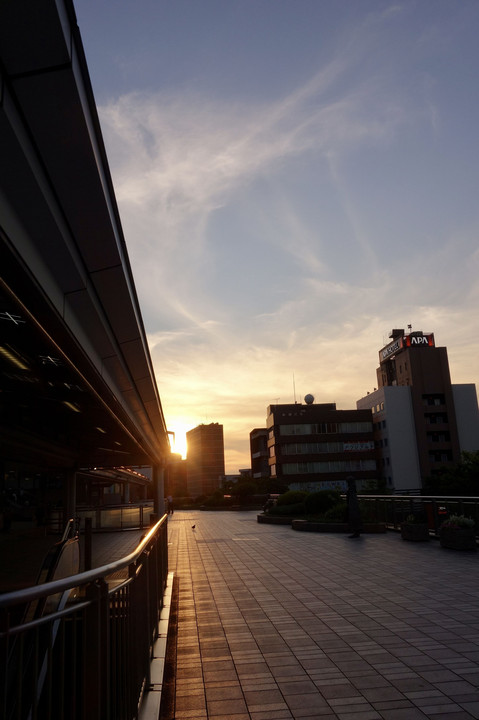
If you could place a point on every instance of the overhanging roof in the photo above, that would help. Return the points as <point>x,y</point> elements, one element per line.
<point>77,382</point>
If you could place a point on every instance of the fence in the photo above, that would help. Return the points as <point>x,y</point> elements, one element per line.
<point>81,647</point>
<point>394,509</point>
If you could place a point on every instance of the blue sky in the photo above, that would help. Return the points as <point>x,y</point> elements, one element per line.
<point>295,178</point>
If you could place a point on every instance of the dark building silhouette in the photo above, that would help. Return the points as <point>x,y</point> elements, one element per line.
<point>205,459</point>
<point>175,480</point>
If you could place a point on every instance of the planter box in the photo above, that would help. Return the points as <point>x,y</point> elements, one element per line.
<point>415,532</point>
<point>458,538</point>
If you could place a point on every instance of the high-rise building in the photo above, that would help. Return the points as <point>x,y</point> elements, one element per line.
<point>422,422</point>
<point>205,457</point>
<point>315,446</point>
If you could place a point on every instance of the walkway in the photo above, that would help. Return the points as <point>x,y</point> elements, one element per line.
<point>276,624</point>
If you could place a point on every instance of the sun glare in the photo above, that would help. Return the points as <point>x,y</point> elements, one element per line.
<point>178,441</point>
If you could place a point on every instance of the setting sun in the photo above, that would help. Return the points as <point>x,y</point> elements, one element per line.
<point>178,440</point>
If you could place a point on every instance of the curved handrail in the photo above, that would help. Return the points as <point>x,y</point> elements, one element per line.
<point>88,576</point>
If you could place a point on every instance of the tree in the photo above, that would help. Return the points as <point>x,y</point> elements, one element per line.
<point>243,489</point>
<point>463,479</point>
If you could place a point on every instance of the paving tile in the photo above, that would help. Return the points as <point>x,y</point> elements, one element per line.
<point>363,715</point>
<point>472,708</point>
<point>191,702</point>
<point>271,715</point>
<point>458,687</point>
<point>291,687</point>
<point>263,697</point>
<point>401,714</point>
<point>226,708</point>
<point>227,692</point>
<point>447,710</point>
<point>382,693</point>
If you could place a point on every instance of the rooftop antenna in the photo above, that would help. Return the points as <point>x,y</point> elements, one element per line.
<point>294,390</point>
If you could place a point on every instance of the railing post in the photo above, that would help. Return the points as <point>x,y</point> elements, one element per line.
<point>96,650</point>
<point>87,543</point>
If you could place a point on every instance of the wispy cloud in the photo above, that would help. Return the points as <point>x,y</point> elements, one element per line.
<point>242,279</point>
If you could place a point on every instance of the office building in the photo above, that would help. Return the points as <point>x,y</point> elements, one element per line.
<point>205,459</point>
<point>315,446</point>
<point>421,421</point>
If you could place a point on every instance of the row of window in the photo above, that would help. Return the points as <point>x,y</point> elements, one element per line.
<point>438,437</point>
<point>440,456</point>
<point>436,419</point>
<point>326,428</point>
<point>332,466</point>
<point>433,399</point>
<point>324,447</point>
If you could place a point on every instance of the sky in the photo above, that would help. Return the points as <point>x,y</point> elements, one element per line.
<point>295,178</point>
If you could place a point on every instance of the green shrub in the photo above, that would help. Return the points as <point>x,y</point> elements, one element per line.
<point>337,513</point>
<point>292,497</point>
<point>294,510</point>
<point>317,503</point>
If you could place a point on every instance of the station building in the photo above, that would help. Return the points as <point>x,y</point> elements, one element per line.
<point>81,421</point>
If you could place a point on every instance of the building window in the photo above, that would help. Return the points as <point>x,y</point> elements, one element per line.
<point>436,418</point>
<point>436,399</point>
<point>435,437</point>
<point>325,428</point>
<point>331,466</point>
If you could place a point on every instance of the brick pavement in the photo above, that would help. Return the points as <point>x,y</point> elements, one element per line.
<point>276,624</point>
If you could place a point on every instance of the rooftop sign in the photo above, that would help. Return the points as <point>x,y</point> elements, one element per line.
<point>417,339</point>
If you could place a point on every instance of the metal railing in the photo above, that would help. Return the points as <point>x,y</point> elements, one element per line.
<point>87,654</point>
<point>107,517</point>
<point>394,509</point>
